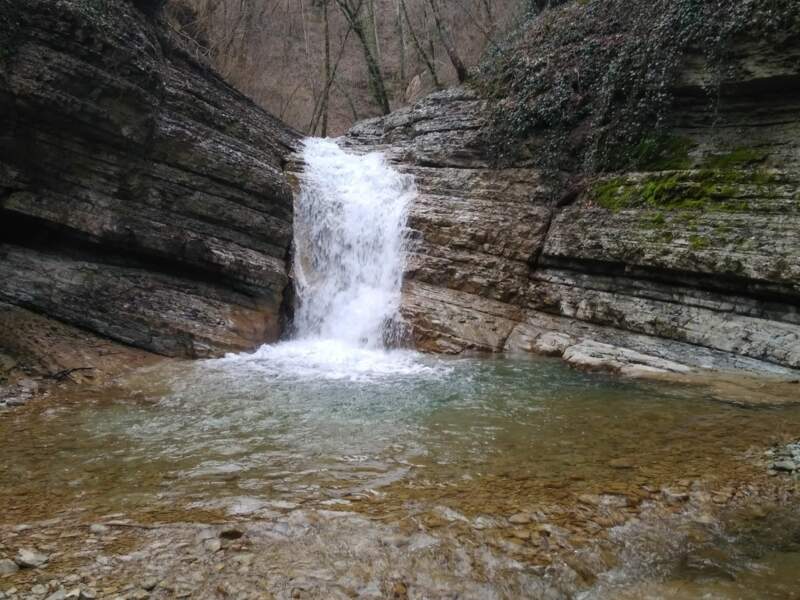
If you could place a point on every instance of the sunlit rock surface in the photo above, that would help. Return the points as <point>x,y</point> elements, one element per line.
<point>141,197</point>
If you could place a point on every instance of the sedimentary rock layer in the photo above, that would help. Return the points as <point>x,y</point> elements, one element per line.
<point>695,263</point>
<point>141,197</point>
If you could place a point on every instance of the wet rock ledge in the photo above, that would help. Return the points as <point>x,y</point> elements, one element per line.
<point>142,199</point>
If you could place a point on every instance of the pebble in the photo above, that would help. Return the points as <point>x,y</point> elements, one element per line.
<point>483,522</point>
<point>522,534</point>
<point>547,528</point>
<point>99,529</point>
<point>674,497</point>
<point>520,519</point>
<point>592,499</point>
<point>784,465</point>
<point>39,589</point>
<point>231,533</point>
<point>205,534</point>
<point>59,594</point>
<point>28,558</point>
<point>150,583</point>
<point>8,567</point>
<point>704,519</point>
<point>722,496</point>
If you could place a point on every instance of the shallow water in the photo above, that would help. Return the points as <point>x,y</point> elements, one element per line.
<point>467,441</point>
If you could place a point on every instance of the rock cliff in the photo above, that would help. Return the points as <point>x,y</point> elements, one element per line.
<point>690,263</point>
<point>141,197</point>
<point>143,200</point>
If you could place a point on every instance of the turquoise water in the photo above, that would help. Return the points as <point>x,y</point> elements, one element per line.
<point>393,434</point>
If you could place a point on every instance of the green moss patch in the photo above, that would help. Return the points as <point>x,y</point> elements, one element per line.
<point>698,242</point>
<point>704,190</point>
<point>739,158</point>
<point>655,221</point>
<point>663,153</point>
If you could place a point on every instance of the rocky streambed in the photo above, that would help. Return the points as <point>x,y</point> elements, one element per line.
<point>600,545</point>
<point>473,478</point>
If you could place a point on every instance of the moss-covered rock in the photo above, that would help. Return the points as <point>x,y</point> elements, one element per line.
<point>703,190</point>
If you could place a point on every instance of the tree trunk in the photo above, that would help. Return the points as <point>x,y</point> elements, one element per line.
<point>418,46</point>
<point>349,98</point>
<point>373,24</point>
<point>326,92</point>
<point>353,16</point>
<point>487,5</point>
<point>444,35</point>
<point>401,36</point>
<point>321,108</point>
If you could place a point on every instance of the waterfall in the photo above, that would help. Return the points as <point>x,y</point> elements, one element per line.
<point>349,231</point>
<point>349,257</point>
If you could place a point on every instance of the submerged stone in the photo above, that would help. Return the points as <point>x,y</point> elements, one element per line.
<point>28,558</point>
<point>785,465</point>
<point>520,519</point>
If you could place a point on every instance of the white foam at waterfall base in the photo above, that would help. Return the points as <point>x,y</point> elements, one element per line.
<point>308,359</point>
<point>349,254</point>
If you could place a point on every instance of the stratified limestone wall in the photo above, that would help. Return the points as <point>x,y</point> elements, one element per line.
<point>697,266</point>
<point>141,197</point>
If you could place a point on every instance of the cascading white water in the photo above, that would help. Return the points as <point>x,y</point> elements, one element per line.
<point>350,234</point>
<point>350,222</point>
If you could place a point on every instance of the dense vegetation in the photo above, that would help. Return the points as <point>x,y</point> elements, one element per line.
<point>589,85</point>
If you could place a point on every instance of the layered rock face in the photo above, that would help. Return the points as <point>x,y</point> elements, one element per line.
<point>141,197</point>
<point>693,264</point>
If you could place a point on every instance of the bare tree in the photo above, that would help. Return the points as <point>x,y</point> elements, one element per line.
<point>401,39</point>
<point>321,64</point>
<point>447,42</point>
<point>321,110</point>
<point>352,10</point>
<point>428,60</point>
